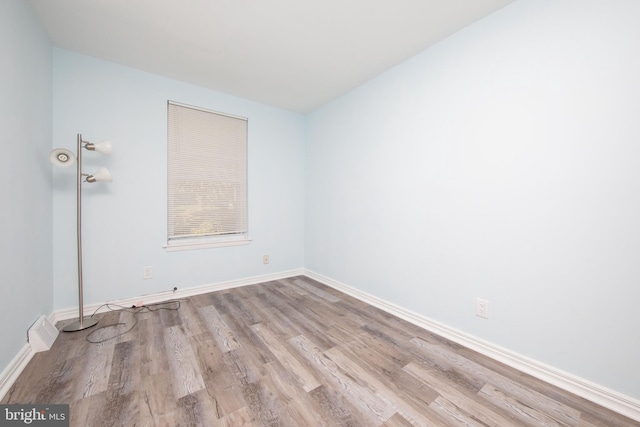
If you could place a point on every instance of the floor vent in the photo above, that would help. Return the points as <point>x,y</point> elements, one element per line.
<point>42,334</point>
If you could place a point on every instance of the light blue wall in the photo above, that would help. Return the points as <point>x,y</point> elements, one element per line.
<point>502,163</point>
<point>124,222</point>
<point>25,176</point>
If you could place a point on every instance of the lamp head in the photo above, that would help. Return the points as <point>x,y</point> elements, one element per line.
<point>103,147</point>
<point>62,157</point>
<point>101,175</point>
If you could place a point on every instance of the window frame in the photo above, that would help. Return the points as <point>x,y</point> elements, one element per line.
<point>190,242</point>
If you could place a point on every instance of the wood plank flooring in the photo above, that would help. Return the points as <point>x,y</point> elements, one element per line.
<point>291,352</point>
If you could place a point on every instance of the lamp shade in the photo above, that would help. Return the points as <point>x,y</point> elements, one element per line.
<point>103,147</point>
<point>62,157</point>
<point>101,174</point>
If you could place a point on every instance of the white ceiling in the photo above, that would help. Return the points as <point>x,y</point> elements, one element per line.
<point>293,54</point>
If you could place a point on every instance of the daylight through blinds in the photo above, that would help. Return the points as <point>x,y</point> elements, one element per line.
<point>207,173</point>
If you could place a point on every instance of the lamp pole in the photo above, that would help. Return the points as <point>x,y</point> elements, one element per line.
<point>81,323</point>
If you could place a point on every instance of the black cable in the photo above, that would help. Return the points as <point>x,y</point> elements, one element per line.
<point>135,311</point>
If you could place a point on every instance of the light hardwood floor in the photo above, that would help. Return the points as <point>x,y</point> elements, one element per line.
<point>290,352</point>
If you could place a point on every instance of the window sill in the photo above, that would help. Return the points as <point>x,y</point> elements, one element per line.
<point>189,245</point>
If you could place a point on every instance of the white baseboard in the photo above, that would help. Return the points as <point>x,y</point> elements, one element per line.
<point>600,395</point>
<point>14,369</point>
<point>89,309</point>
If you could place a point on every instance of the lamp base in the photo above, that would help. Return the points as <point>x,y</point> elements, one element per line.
<point>80,324</point>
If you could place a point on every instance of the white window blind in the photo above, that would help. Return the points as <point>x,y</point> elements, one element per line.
<point>207,175</point>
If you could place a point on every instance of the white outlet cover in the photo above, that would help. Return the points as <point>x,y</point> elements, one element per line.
<point>482,308</point>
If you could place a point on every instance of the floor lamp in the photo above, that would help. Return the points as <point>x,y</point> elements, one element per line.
<point>63,157</point>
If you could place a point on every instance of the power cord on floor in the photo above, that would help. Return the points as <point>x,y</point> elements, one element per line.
<point>135,311</point>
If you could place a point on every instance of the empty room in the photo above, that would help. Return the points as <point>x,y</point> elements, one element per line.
<point>356,213</point>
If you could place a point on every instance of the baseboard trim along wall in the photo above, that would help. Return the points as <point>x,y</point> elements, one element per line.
<point>15,368</point>
<point>72,313</point>
<point>603,396</point>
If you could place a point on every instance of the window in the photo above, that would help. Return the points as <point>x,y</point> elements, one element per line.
<point>207,178</point>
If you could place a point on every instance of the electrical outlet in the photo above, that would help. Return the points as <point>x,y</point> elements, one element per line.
<point>482,308</point>
<point>265,259</point>
<point>147,272</point>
